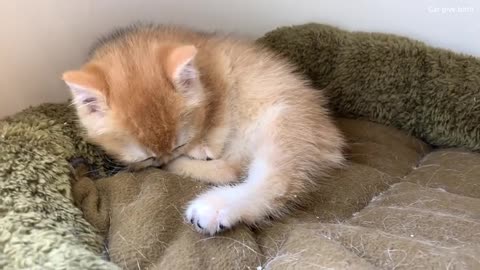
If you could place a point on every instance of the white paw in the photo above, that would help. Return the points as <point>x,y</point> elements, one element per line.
<point>210,213</point>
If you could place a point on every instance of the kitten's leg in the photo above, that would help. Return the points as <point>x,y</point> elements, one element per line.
<point>212,147</point>
<point>289,156</point>
<point>215,171</point>
<point>140,165</point>
<point>263,193</point>
<point>215,141</point>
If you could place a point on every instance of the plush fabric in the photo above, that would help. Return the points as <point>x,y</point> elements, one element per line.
<point>432,93</point>
<point>39,226</point>
<point>397,205</point>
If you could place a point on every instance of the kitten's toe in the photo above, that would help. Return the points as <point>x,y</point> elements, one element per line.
<point>210,215</point>
<point>201,152</point>
<point>198,152</point>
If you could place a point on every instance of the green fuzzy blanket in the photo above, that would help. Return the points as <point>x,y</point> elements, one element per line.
<point>39,226</point>
<point>433,94</point>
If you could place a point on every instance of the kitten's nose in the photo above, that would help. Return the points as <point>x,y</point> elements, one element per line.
<point>165,159</point>
<point>157,162</point>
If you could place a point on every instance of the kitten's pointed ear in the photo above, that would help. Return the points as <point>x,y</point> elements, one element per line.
<point>180,65</point>
<point>86,88</point>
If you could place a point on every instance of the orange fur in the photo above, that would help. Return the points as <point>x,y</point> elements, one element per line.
<point>168,93</point>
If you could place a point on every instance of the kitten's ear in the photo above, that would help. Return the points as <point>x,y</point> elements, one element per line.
<point>180,66</point>
<point>86,87</point>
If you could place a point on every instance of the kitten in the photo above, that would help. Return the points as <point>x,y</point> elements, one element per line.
<point>212,107</point>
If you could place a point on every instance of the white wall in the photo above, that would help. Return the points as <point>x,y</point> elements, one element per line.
<point>41,38</point>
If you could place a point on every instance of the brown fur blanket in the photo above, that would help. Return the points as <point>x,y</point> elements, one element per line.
<point>397,205</point>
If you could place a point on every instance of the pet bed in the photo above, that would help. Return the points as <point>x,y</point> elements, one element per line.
<point>407,199</point>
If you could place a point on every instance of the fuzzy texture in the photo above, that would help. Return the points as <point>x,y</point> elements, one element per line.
<point>345,226</point>
<point>397,205</point>
<point>432,93</point>
<point>35,207</point>
<point>176,96</point>
<point>39,227</point>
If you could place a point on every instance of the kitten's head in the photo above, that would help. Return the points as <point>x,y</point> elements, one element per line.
<point>139,100</point>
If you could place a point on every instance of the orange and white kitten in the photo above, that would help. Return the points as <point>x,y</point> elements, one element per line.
<point>215,108</point>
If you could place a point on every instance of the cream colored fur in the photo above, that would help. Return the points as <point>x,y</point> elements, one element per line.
<point>270,137</point>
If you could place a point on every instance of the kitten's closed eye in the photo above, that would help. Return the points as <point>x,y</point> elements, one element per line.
<point>178,147</point>
<point>148,162</point>
<point>152,161</point>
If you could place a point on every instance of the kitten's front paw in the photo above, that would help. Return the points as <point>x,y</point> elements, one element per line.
<point>210,214</point>
<point>200,152</point>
